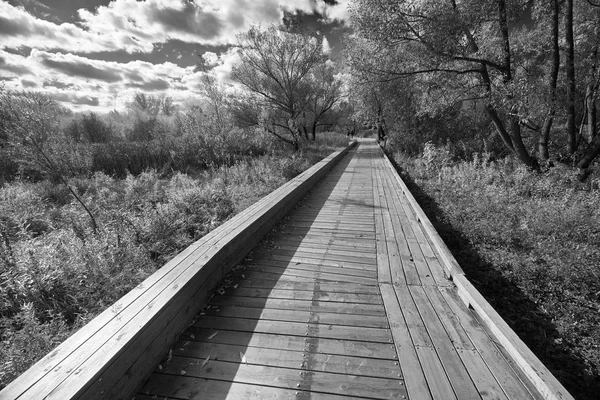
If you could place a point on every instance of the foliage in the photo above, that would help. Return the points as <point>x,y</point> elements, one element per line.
<point>502,59</point>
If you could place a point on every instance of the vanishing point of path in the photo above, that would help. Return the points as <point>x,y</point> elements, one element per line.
<point>345,299</point>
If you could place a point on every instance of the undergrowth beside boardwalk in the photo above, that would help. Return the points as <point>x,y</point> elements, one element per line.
<point>56,274</point>
<point>530,243</point>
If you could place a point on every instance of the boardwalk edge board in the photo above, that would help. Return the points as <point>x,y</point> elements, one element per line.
<point>85,366</point>
<point>533,369</point>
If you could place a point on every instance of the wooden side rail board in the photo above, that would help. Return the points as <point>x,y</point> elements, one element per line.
<point>523,357</point>
<point>110,357</point>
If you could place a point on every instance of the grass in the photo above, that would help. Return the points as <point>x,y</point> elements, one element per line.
<point>56,274</point>
<point>531,244</point>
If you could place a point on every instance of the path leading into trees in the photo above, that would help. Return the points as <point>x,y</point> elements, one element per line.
<point>347,298</point>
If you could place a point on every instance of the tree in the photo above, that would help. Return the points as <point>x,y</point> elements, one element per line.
<point>275,66</point>
<point>29,121</point>
<point>216,114</point>
<point>323,93</point>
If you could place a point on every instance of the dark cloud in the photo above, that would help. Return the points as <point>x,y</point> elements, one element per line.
<point>189,20</point>
<point>57,84</point>
<point>28,84</point>
<point>134,76</point>
<point>82,69</point>
<point>153,85</point>
<point>9,27</point>
<point>17,69</point>
<point>75,99</point>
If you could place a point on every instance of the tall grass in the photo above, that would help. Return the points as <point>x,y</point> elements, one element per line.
<point>56,274</point>
<point>531,243</point>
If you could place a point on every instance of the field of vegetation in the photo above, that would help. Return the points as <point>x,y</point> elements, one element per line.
<point>56,273</point>
<point>530,243</point>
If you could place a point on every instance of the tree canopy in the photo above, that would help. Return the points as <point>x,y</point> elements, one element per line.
<point>529,67</point>
<point>292,86</point>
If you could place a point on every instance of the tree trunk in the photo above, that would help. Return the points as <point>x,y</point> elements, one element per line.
<point>505,40</point>
<point>314,131</point>
<point>591,112</point>
<point>519,147</point>
<point>500,128</point>
<point>547,125</point>
<point>570,69</point>
<point>590,154</point>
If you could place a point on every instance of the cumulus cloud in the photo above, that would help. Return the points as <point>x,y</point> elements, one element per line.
<point>112,84</point>
<point>135,26</point>
<point>72,65</point>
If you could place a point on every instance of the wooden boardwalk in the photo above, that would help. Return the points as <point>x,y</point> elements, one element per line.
<point>347,298</point>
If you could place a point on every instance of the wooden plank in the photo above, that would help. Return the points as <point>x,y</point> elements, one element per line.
<point>292,254</point>
<point>392,239</point>
<point>298,343</point>
<point>340,225</point>
<point>498,365</point>
<point>304,305</point>
<point>370,321</point>
<point>448,259</point>
<point>323,382</point>
<point>264,259</point>
<point>437,380</point>
<point>283,358</point>
<point>411,263</point>
<point>305,243</point>
<point>483,379</point>
<point>314,274</point>
<point>331,249</point>
<point>455,331</point>
<point>184,387</point>
<point>416,385</point>
<point>533,368</point>
<point>383,263</point>
<point>329,239</point>
<point>455,370</point>
<point>328,287</point>
<point>410,226</point>
<point>404,262</point>
<point>315,294</point>
<point>329,232</point>
<point>416,327</point>
<point>273,265</point>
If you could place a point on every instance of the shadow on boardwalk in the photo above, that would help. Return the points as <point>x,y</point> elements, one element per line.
<point>523,315</point>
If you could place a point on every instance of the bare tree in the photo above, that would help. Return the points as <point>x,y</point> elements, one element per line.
<point>29,120</point>
<point>275,65</point>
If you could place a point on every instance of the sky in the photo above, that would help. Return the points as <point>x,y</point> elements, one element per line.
<point>94,55</point>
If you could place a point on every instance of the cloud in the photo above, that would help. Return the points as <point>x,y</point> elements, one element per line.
<point>74,80</point>
<point>28,84</point>
<point>135,26</point>
<point>75,99</point>
<point>19,28</point>
<point>76,66</point>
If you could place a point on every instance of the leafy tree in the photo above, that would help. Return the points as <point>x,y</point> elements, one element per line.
<point>492,54</point>
<point>323,94</point>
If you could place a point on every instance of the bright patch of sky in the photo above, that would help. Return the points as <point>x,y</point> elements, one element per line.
<point>96,54</point>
